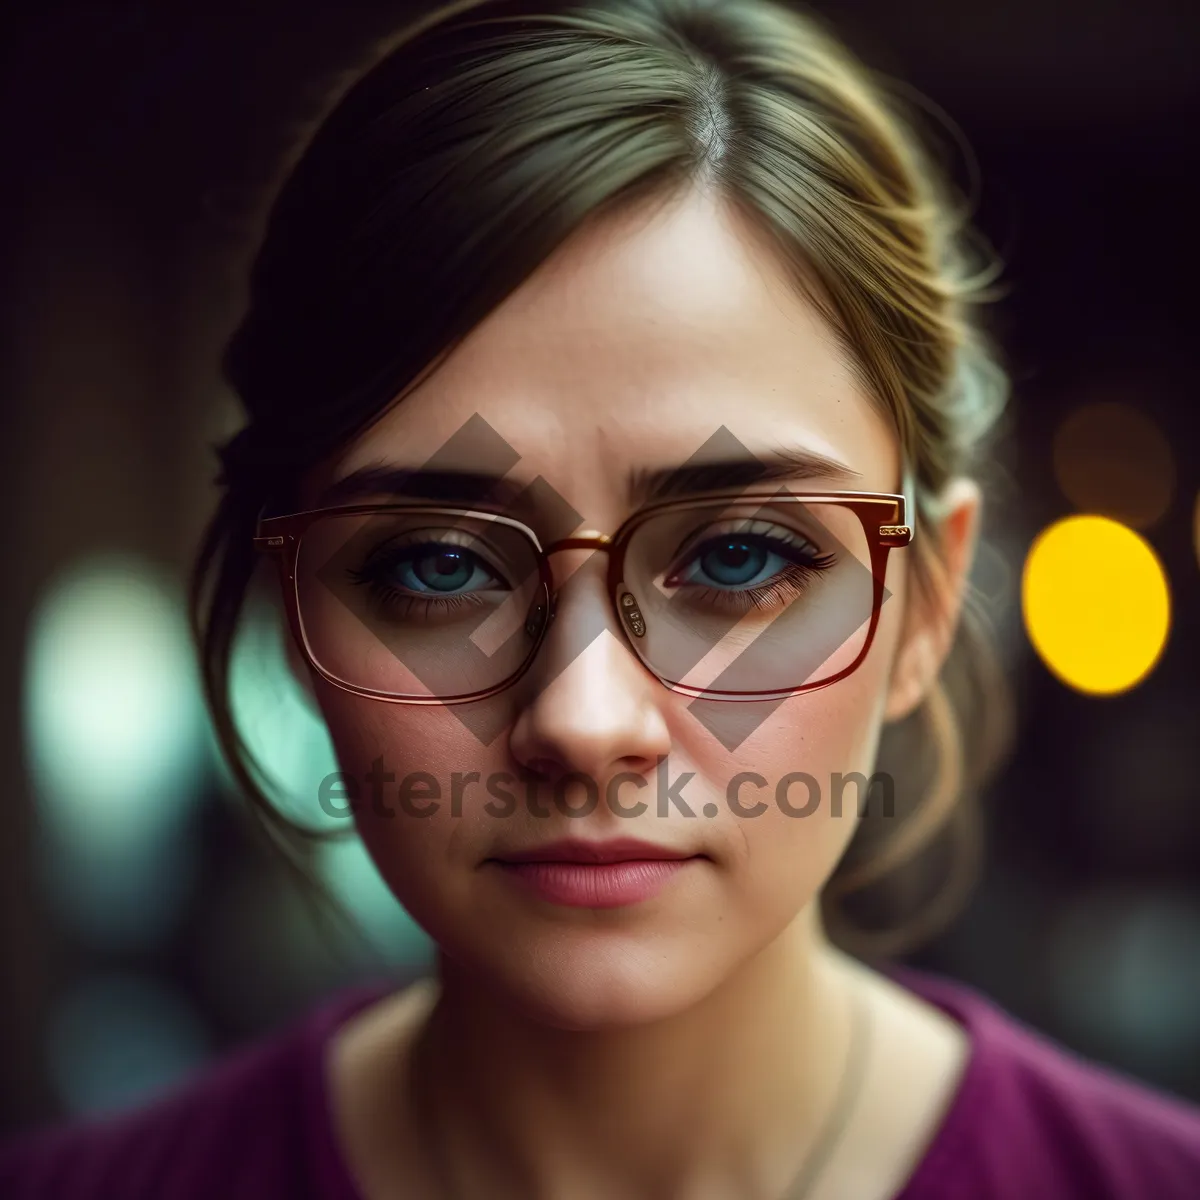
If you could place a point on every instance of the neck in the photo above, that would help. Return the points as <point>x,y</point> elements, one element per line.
<point>726,1097</point>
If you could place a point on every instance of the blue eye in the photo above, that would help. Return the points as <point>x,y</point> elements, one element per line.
<point>737,562</point>
<point>429,571</point>
<point>740,570</point>
<point>441,569</point>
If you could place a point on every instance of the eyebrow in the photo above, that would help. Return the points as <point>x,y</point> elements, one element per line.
<point>643,485</point>
<point>442,486</point>
<point>774,465</point>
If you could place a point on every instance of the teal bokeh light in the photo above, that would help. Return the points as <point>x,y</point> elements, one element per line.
<point>284,731</point>
<point>115,738</point>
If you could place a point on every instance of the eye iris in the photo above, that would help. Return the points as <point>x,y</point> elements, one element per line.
<point>444,571</point>
<point>733,562</point>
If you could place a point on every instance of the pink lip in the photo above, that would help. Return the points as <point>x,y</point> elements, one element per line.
<point>581,874</point>
<point>576,850</point>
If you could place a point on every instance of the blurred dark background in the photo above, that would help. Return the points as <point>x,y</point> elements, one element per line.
<point>142,931</point>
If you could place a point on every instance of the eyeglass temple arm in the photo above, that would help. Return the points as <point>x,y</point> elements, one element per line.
<point>902,534</point>
<point>272,544</point>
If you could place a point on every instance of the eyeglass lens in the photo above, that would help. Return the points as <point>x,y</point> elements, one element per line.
<point>742,596</point>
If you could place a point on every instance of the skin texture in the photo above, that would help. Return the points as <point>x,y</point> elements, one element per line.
<point>686,1045</point>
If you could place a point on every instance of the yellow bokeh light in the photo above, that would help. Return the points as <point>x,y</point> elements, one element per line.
<point>1096,603</point>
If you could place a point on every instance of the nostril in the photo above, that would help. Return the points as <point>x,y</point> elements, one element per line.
<point>543,768</point>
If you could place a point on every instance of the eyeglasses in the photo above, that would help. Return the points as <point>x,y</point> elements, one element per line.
<point>754,596</point>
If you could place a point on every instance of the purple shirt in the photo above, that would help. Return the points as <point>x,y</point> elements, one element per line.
<point>1029,1120</point>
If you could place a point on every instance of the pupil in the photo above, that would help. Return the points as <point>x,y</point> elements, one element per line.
<point>734,562</point>
<point>445,571</point>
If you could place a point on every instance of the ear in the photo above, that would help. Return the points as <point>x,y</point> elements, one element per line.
<point>933,606</point>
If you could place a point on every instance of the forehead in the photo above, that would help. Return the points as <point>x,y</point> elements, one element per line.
<point>631,347</point>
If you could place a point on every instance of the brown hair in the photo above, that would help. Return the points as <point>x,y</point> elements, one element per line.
<point>470,145</point>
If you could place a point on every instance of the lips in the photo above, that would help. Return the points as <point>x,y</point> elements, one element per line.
<point>575,850</point>
<point>583,874</point>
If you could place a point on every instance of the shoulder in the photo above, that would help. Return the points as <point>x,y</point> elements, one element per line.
<point>1032,1119</point>
<point>240,1128</point>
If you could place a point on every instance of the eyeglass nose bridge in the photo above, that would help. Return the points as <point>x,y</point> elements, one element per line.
<point>588,539</point>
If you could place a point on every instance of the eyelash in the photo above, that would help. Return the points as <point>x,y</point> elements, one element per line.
<point>398,601</point>
<point>407,604</point>
<point>792,581</point>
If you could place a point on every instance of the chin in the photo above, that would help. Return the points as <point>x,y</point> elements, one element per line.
<point>587,980</point>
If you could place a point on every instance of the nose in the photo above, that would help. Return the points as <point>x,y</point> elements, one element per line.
<point>587,705</point>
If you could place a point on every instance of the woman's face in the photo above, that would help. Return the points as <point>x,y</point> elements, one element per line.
<point>642,338</point>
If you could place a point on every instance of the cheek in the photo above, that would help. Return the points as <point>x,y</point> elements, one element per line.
<point>416,811</point>
<point>810,760</point>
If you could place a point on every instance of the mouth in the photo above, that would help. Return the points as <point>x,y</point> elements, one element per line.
<point>575,850</point>
<point>581,874</point>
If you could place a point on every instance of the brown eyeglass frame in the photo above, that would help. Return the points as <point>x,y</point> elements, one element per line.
<point>882,515</point>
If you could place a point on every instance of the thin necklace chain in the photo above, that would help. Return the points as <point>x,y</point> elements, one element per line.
<point>845,1102</point>
<point>853,1075</point>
